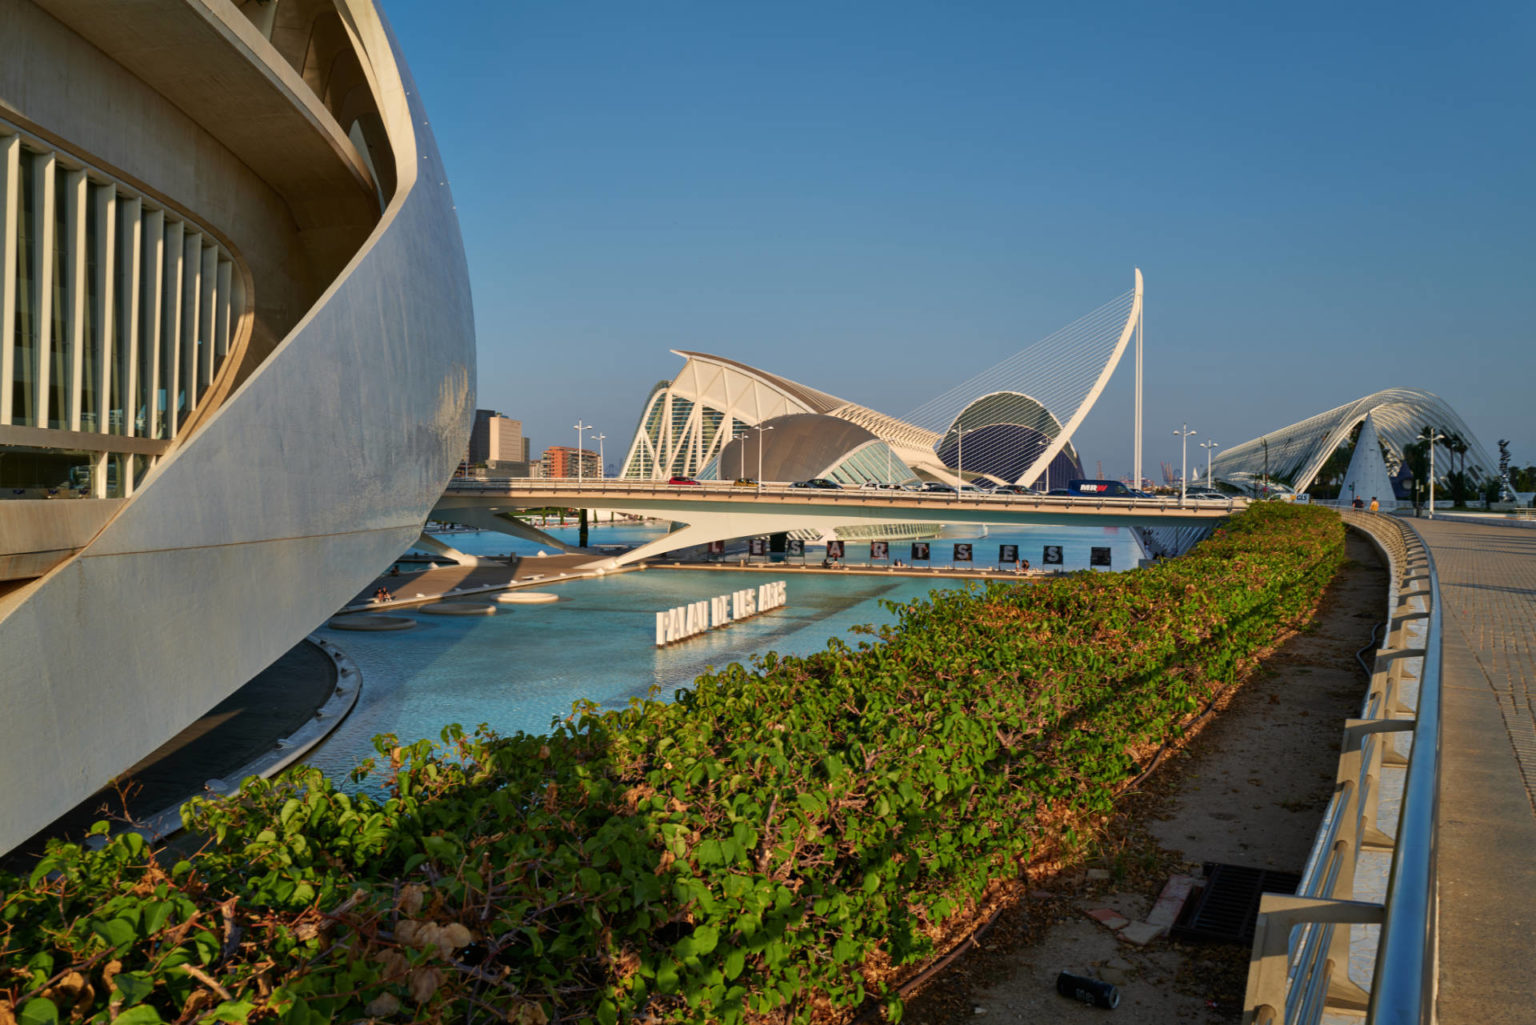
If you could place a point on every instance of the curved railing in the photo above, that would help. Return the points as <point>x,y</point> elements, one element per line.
<point>1299,969</point>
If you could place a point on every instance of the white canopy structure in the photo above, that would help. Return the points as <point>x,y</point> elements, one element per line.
<point>1296,453</point>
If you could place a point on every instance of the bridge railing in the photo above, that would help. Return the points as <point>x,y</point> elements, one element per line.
<point>608,486</point>
<point>1301,945</point>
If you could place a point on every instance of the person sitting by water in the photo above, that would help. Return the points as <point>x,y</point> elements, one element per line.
<point>1025,564</point>
<point>1375,505</point>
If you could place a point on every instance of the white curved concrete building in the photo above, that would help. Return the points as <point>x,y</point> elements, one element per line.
<point>1296,453</point>
<point>688,421</point>
<point>236,358</point>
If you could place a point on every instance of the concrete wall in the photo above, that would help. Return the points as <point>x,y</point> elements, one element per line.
<point>311,477</point>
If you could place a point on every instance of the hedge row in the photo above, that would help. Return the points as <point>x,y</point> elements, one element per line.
<point>775,840</point>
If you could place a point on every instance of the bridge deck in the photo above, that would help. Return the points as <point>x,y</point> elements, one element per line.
<point>926,506</point>
<point>1487,839</point>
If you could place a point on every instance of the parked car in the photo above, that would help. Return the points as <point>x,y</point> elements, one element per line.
<point>1099,488</point>
<point>818,482</point>
<point>683,480</point>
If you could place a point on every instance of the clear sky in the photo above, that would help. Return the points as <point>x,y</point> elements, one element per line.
<point>880,199</point>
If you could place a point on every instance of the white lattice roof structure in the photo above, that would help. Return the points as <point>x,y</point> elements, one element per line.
<point>1296,453</point>
<point>689,420</point>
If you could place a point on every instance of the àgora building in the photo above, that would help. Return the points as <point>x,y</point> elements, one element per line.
<point>236,358</point>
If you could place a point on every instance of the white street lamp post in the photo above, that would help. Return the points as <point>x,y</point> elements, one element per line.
<point>579,428</point>
<point>960,434</point>
<point>959,459</point>
<point>1183,436</point>
<point>602,465</point>
<point>1209,446</point>
<point>760,429</point>
<point>741,453</point>
<point>1433,441</point>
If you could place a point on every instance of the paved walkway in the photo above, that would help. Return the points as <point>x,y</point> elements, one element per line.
<point>1487,853</point>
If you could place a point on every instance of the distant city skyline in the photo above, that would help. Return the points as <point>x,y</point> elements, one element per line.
<point>881,201</point>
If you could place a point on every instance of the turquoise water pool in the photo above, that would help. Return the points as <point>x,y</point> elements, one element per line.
<point>526,665</point>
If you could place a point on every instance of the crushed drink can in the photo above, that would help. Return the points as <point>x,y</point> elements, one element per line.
<point>1095,992</point>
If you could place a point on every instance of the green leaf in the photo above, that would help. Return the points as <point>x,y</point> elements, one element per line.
<point>117,932</point>
<point>134,986</point>
<point>705,938</point>
<point>735,961</point>
<point>143,1014</point>
<point>38,1011</point>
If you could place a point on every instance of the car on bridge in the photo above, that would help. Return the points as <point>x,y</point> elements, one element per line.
<point>818,482</point>
<point>683,480</point>
<point>1100,488</point>
<point>744,482</point>
<point>935,487</point>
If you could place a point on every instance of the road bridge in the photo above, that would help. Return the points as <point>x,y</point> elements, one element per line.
<point>720,511</point>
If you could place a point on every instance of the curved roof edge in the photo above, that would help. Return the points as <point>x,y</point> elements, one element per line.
<point>1298,451</point>
<point>816,400</point>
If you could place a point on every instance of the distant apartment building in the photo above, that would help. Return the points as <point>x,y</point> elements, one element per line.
<point>562,461</point>
<point>496,442</point>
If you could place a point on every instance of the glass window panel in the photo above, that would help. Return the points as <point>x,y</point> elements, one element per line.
<point>24,334</point>
<point>58,369</point>
<point>90,363</point>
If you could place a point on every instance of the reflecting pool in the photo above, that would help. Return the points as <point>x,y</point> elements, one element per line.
<point>526,665</point>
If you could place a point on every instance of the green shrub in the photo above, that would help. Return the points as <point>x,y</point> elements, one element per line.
<point>776,839</point>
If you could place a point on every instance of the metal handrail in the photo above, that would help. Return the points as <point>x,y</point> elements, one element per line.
<point>1403,987</point>
<point>610,486</point>
<point>1298,971</point>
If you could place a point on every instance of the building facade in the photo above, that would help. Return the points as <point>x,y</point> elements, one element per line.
<point>236,358</point>
<point>496,442</point>
<point>568,461</point>
<point>687,422</point>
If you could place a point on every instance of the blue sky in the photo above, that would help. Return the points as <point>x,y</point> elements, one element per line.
<point>882,199</point>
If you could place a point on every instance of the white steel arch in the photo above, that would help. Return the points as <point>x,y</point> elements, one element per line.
<point>1296,453</point>
<point>1065,370</point>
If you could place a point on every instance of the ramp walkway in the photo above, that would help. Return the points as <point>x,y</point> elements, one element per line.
<point>1487,838</point>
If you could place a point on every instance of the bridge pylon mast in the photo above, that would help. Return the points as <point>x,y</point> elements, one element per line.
<point>1141,319</point>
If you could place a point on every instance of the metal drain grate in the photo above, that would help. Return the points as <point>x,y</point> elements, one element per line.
<point>1225,910</point>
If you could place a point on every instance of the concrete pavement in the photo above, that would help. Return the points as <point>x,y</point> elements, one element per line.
<point>1487,839</point>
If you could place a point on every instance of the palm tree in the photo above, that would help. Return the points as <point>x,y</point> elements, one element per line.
<point>1456,445</point>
